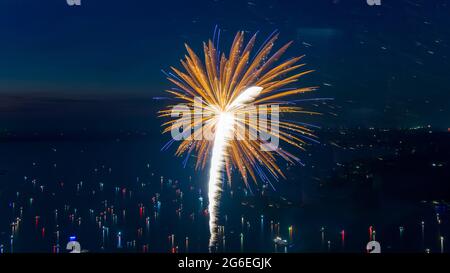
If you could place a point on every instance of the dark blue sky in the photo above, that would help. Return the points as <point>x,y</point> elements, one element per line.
<point>385,66</point>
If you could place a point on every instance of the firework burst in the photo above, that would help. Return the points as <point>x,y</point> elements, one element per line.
<point>231,89</point>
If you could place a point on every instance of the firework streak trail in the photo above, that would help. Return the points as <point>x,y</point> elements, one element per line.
<point>224,132</point>
<point>228,85</point>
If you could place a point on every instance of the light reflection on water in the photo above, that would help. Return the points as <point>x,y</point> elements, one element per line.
<point>123,204</point>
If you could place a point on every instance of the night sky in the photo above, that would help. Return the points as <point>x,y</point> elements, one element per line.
<point>98,65</point>
<point>79,89</point>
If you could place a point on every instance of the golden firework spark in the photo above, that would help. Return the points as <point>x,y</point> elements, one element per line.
<point>227,86</point>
